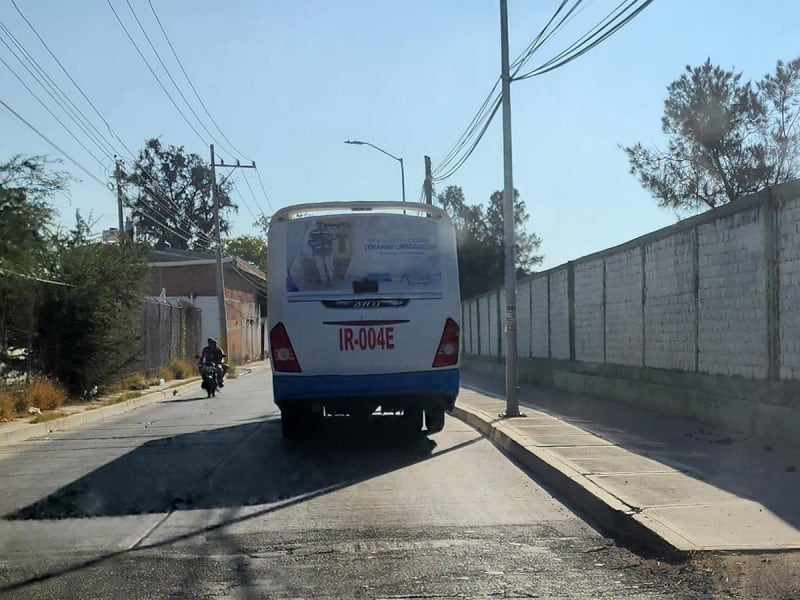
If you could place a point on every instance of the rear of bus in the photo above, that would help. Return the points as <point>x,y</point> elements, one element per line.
<point>364,311</point>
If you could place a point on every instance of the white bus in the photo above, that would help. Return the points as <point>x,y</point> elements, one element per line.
<point>364,312</point>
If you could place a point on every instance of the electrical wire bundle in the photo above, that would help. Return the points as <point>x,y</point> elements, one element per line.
<point>621,15</point>
<point>104,148</point>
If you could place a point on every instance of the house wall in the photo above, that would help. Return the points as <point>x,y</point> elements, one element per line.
<point>197,284</point>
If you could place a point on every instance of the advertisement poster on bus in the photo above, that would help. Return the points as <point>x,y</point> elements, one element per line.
<point>363,254</point>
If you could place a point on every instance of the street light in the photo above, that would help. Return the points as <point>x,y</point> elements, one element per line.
<point>402,171</point>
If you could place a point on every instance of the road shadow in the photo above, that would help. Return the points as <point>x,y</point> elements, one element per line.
<point>242,465</point>
<point>728,460</point>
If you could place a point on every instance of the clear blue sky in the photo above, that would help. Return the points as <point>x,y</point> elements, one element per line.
<point>290,81</point>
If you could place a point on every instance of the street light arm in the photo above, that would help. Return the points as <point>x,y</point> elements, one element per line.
<point>397,158</point>
<point>360,143</point>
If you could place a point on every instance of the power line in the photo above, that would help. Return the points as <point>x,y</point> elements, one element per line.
<point>241,197</point>
<point>166,227</point>
<point>261,287</point>
<point>191,85</point>
<point>177,212</point>
<point>252,194</point>
<point>263,189</point>
<point>468,153</point>
<point>171,78</point>
<point>5,271</point>
<point>470,131</point>
<point>162,199</point>
<point>53,144</point>
<point>52,114</point>
<point>153,73</point>
<point>483,118</point>
<point>595,36</point>
<point>72,80</point>
<point>55,92</point>
<point>175,84</point>
<point>544,35</point>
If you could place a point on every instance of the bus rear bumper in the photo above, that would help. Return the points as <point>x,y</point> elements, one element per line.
<point>392,390</point>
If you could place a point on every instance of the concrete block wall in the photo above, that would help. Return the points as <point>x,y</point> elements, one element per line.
<point>732,295</point>
<point>788,242</point>
<point>671,302</point>
<point>700,319</point>
<point>540,317</point>
<point>624,311</point>
<point>485,320</point>
<point>589,311</point>
<point>717,294</point>
<point>494,324</point>
<point>524,328</point>
<point>501,300</point>
<point>471,328</point>
<point>559,314</point>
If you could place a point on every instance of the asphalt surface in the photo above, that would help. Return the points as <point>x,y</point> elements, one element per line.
<point>201,498</point>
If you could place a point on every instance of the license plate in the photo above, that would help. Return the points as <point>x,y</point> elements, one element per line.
<point>353,339</point>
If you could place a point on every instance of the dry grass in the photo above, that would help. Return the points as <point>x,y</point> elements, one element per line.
<point>232,371</point>
<point>128,396</point>
<point>7,410</point>
<point>45,394</point>
<point>181,369</point>
<point>48,416</point>
<point>137,381</point>
<point>41,393</point>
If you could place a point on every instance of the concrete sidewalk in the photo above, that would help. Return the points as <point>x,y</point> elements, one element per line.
<point>670,485</point>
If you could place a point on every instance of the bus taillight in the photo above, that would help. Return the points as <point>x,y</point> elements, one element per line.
<point>283,357</point>
<point>447,353</point>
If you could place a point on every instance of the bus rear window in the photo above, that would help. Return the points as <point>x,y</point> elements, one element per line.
<point>363,254</point>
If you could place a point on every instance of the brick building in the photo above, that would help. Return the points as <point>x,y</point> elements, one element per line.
<point>191,276</point>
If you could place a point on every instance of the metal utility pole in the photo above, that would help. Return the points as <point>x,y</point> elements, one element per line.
<point>118,177</point>
<point>512,402</point>
<point>223,311</point>
<point>403,179</point>
<point>428,181</point>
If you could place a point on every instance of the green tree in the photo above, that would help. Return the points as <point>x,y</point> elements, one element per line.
<point>88,328</point>
<point>251,248</point>
<point>725,137</point>
<point>173,202</point>
<point>26,217</point>
<point>480,239</point>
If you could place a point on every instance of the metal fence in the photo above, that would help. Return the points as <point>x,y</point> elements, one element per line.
<point>169,330</point>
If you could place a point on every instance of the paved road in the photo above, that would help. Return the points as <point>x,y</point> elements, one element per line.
<point>198,498</point>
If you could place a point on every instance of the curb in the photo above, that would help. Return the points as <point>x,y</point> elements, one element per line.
<point>624,523</point>
<point>89,416</point>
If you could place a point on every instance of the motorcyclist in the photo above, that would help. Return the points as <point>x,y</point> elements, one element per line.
<point>213,355</point>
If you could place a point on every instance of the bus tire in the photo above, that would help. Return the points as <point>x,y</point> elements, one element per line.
<point>412,420</point>
<point>434,420</point>
<point>291,423</point>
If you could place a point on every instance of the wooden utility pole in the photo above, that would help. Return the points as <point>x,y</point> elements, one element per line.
<point>223,311</point>
<point>428,181</point>
<point>118,177</point>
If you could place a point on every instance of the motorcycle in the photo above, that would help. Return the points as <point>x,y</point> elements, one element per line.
<point>209,374</point>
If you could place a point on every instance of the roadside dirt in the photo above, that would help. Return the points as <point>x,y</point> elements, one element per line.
<point>768,576</point>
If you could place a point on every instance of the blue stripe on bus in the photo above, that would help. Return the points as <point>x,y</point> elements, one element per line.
<point>302,387</point>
